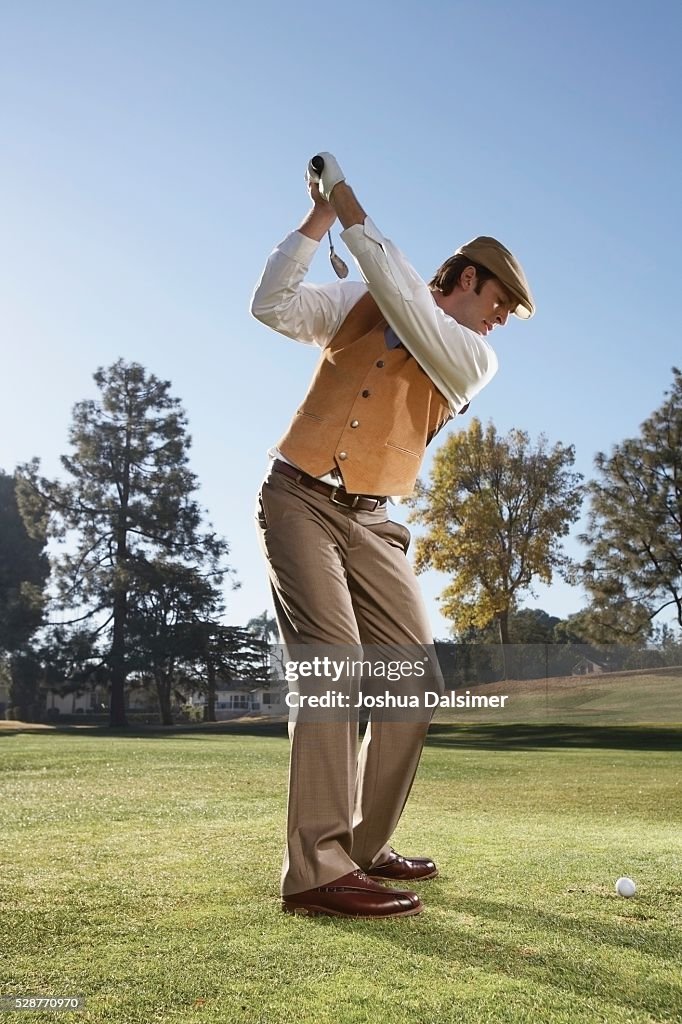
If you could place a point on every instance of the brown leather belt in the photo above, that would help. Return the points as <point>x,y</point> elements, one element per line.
<point>337,495</point>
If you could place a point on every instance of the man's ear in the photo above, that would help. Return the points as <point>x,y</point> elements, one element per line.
<point>467,279</point>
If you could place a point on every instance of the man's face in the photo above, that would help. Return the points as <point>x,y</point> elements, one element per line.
<point>480,311</point>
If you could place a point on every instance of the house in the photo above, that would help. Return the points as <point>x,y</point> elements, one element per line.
<point>87,702</point>
<point>234,698</point>
<point>244,698</point>
<point>587,667</point>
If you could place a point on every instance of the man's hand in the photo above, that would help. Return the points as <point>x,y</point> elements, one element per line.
<point>327,207</point>
<point>322,216</point>
<point>318,199</point>
<point>330,176</point>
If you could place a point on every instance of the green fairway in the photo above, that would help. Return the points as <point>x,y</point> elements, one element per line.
<point>141,872</point>
<point>612,699</point>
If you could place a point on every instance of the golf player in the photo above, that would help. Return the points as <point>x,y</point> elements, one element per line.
<point>398,358</point>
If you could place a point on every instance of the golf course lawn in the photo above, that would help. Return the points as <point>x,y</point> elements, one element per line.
<point>141,872</point>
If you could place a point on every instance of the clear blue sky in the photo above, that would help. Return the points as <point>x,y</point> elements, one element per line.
<point>153,155</point>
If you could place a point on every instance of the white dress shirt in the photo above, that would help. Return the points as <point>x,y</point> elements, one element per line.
<point>458,360</point>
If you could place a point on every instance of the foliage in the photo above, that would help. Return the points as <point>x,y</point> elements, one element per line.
<point>24,570</point>
<point>171,603</point>
<point>214,654</point>
<point>593,625</point>
<point>264,626</point>
<point>495,511</point>
<point>137,560</point>
<point>24,688</point>
<point>526,626</point>
<point>634,566</point>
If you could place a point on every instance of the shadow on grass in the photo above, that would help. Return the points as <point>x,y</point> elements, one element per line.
<point>552,967</point>
<point>441,735</point>
<point>641,934</point>
<point>530,737</point>
<point>545,951</point>
<point>277,729</point>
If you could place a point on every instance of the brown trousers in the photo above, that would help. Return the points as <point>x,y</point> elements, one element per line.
<point>340,579</point>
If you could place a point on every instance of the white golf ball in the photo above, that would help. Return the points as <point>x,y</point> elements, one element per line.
<point>626,887</point>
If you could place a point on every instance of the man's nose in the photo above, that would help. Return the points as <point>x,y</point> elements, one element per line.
<point>502,317</point>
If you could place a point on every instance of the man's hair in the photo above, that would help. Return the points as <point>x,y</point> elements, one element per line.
<point>449,273</point>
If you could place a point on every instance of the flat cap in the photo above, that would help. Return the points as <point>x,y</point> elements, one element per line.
<point>496,258</point>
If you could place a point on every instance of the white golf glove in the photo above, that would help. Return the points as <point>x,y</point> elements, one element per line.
<point>331,175</point>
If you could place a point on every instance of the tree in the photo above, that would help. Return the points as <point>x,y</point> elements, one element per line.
<point>129,509</point>
<point>495,511</point>
<point>669,642</point>
<point>264,626</point>
<point>5,680</point>
<point>226,652</point>
<point>24,570</point>
<point>634,566</point>
<point>24,691</point>
<point>476,655</point>
<point>606,625</point>
<point>525,626</point>
<point>172,606</point>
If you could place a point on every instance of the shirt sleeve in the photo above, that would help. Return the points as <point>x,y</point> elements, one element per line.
<point>309,313</point>
<point>459,361</point>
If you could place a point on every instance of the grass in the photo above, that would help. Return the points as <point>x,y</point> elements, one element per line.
<point>614,698</point>
<point>141,871</point>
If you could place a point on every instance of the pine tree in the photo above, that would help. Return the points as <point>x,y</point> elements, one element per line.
<point>128,513</point>
<point>634,566</point>
<point>24,570</point>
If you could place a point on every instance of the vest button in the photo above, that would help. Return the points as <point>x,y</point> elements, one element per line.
<point>381,363</point>
<point>343,455</point>
<point>365,393</point>
<point>355,423</point>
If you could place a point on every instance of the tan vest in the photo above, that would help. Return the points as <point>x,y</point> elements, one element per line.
<point>370,411</point>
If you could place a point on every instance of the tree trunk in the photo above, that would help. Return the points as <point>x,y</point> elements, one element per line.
<point>210,693</point>
<point>24,687</point>
<point>117,714</point>
<point>503,625</point>
<point>163,692</point>
<point>117,711</point>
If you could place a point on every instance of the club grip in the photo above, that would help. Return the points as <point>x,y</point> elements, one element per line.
<point>317,164</point>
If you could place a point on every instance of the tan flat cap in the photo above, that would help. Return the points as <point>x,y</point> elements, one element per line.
<point>496,258</point>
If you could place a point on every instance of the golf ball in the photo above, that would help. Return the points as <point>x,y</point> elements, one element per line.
<point>626,887</point>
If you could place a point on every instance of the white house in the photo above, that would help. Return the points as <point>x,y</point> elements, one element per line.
<point>241,698</point>
<point>245,699</point>
<point>89,702</point>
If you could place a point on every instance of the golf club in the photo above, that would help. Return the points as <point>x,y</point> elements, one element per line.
<point>316,165</point>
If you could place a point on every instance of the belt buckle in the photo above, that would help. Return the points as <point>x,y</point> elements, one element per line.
<point>343,504</point>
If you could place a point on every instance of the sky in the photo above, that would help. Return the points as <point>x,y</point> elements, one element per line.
<point>153,154</point>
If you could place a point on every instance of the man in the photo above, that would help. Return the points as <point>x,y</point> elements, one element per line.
<point>399,358</point>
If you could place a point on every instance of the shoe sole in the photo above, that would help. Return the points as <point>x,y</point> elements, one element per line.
<point>392,881</point>
<point>324,912</point>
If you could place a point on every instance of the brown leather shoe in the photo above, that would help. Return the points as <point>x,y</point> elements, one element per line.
<point>353,895</point>
<point>404,869</point>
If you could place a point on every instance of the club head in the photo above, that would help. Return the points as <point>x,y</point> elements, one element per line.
<point>340,268</point>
